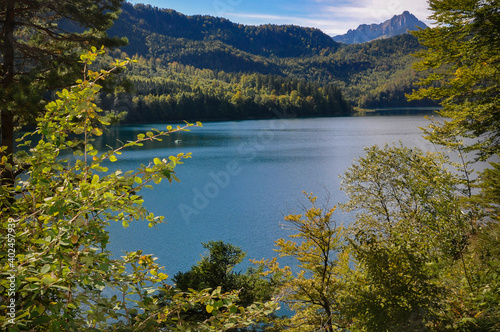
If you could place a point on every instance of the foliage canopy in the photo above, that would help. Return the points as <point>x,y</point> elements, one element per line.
<point>65,278</point>
<point>39,41</point>
<point>462,59</point>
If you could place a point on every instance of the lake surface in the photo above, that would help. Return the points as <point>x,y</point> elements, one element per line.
<point>244,177</point>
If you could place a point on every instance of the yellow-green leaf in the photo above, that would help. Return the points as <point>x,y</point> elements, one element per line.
<point>47,279</point>
<point>40,309</point>
<point>78,130</point>
<point>97,131</point>
<point>45,269</point>
<point>32,279</point>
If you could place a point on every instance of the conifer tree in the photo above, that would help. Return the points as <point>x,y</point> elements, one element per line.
<point>39,41</point>
<point>462,61</point>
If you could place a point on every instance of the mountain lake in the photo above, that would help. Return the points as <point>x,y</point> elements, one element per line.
<point>243,178</point>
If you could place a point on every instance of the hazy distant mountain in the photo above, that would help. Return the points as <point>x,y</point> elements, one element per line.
<point>397,25</point>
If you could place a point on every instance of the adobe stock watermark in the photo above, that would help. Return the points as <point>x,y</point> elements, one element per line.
<point>11,278</point>
<point>393,7</point>
<point>222,7</point>
<point>218,181</point>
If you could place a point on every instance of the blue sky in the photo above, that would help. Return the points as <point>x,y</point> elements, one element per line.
<point>333,17</point>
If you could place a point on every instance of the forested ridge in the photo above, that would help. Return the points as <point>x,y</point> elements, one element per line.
<point>144,23</point>
<point>176,92</point>
<point>376,74</point>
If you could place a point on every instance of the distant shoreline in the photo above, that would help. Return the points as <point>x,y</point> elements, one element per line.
<point>358,111</point>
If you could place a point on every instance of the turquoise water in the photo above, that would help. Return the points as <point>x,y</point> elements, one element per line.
<point>244,177</point>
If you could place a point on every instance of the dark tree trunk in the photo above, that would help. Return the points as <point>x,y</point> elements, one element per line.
<point>7,79</point>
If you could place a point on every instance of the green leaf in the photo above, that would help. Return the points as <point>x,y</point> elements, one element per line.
<point>80,221</point>
<point>45,269</point>
<point>47,279</point>
<point>156,179</point>
<point>78,130</point>
<point>32,279</point>
<point>40,309</point>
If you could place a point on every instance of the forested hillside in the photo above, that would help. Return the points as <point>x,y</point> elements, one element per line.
<point>379,73</point>
<point>178,92</point>
<point>203,67</point>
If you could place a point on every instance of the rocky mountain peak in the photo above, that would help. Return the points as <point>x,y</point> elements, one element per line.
<point>397,25</point>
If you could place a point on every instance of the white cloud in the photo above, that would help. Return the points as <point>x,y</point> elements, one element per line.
<point>326,25</point>
<point>371,11</point>
<point>335,17</point>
